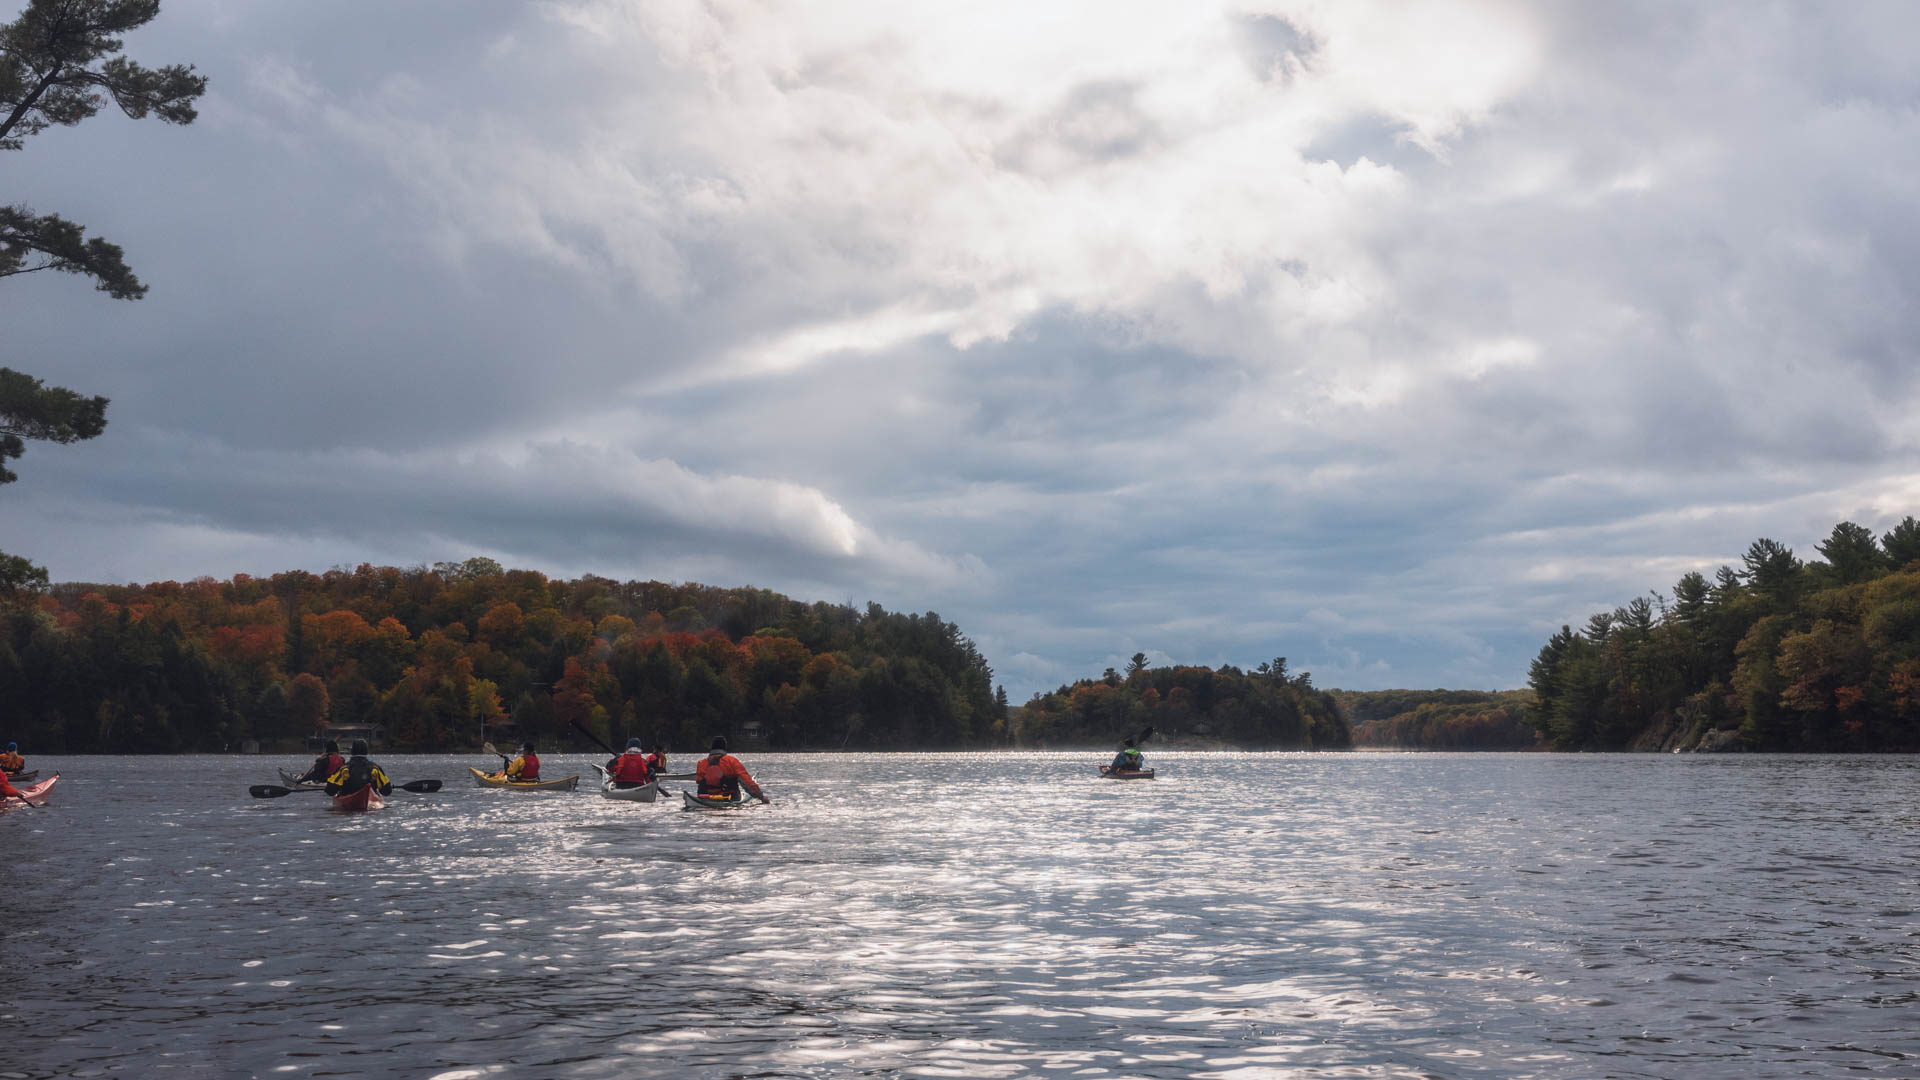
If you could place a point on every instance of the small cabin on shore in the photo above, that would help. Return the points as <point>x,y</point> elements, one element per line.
<point>344,734</point>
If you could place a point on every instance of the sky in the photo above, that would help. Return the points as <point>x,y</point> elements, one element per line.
<point>1386,338</point>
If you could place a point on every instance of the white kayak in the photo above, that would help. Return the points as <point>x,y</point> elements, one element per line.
<point>292,780</point>
<point>644,793</point>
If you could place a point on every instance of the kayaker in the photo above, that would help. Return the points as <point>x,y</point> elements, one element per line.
<point>526,767</point>
<point>357,773</point>
<point>1129,759</point>
<point>11,761</point>
<point>630,769</point>
<point>324,766</point>
<point>8,791</point>
<point>657,761</point>
<point>721,776</point>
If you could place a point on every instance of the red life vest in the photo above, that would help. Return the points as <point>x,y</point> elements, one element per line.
<point>529,767</point>
<point>630,768</point>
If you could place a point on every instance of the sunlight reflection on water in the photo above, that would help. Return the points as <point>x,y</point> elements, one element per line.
<point>1245,916</point>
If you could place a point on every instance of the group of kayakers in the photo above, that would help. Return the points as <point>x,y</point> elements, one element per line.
<point>719,775</point>
<point>344,776</point>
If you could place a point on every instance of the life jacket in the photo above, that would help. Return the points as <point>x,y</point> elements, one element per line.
<point>630,768</point>
<point>529,767</point>
<point>719,779</point>
<point>656,763</point>
<point>357,773</point>
<point>324,766</point>
<point>12,762</point>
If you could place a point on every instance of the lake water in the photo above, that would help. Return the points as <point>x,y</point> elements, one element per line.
<point>979,915</point>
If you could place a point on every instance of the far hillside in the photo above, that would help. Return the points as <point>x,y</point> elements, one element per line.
<point>1263,709</point>
<point>1439,719</point>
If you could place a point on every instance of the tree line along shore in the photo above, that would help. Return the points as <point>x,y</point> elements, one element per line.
<point>1777,655</point>
<point>445,657</point>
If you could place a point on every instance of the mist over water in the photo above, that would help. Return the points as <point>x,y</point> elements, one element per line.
<point>979,915</point>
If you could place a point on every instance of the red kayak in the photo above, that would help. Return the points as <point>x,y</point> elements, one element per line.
<point>367,798</point>
<point>36,794</point>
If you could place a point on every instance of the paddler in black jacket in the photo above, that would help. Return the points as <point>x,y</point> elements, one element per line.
<point>357,773</point>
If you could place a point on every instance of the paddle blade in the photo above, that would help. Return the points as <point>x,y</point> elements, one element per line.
<point>268,791</point>
<point>1145,734</point>
<point>487,747</point>
<point>421,787</point>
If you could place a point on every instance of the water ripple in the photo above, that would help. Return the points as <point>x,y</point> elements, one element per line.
<point>1246,916</point>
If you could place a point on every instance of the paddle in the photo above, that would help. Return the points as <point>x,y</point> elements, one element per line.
<point>275,791</point>
<point>504,759</point>
<point>582,729</point>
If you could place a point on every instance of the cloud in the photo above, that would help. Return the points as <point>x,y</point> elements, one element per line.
<point>1384,339</point>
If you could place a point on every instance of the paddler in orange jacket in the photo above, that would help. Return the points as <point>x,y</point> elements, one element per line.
<point>526,767</point>
<point>721,776</point>
<point>630,770</point>
<point>11,761</point>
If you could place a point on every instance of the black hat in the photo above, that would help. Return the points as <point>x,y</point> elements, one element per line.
<point>527,747</point>
<point>719,743</point>
<point>359,747</point>
<point>333,747</point>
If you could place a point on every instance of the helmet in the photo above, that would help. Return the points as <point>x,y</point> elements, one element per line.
<point>13,746</point>
<point>359,747</point>
<point>527,747</point>
<point>719,743</point>
<point>633,744</point>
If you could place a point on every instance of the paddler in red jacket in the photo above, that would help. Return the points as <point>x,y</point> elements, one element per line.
<point>8,791</point>
<point>526,767</point>
<point>721,776</point>
<point>657,761</point>
<point>324,766</point>
<point>630,769</point>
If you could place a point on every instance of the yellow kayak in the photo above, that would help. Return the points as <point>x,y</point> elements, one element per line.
<point>500,780</point>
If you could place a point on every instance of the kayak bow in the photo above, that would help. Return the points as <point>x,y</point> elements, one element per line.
<point>36,795</point>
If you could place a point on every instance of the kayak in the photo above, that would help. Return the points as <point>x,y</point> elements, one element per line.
<point>500,781</point>
<point>36,794</point>
<point>644,793</point>
<point>700,802</point>
<point>292,780</point>
<point>367,798</point>
<point>22,777</point>
<point>1112,773</point>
